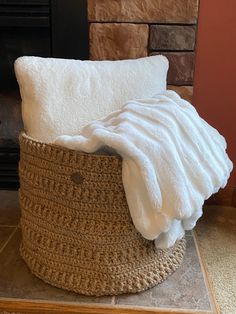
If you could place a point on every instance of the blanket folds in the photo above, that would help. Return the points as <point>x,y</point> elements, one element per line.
<point>173,160</point>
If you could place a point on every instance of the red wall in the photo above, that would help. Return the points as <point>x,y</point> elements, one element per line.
<point>215,71</point>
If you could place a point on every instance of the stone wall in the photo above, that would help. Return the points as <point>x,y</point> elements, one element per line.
<point>123,29</point>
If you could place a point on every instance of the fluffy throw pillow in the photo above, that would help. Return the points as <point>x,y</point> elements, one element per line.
<point>60,96</point>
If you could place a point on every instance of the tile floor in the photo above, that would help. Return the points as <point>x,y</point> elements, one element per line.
<point>185,289</point>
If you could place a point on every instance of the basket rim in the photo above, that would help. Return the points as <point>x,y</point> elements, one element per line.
<point>26,137</point>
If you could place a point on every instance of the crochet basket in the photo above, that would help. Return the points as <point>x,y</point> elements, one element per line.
<point>77,233</point>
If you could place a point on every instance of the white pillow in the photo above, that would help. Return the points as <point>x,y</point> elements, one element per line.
<point>60,96</point>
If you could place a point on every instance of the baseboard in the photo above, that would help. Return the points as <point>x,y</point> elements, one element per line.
<point>225,197</point>
<point>39,307</point>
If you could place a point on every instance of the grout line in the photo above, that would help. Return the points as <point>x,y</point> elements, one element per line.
<point>8,240</point>
<point>187,51</point>
<point>191,23</point>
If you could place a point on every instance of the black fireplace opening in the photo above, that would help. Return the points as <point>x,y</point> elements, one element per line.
<point>46,28</point>
<point>25,30</point>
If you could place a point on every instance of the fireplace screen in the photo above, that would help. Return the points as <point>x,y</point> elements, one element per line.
<point>46,28</point>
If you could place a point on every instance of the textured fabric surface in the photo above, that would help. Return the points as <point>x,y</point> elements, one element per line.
<point>172,161</point>
<point>60,96</point>
<point>76,226</point>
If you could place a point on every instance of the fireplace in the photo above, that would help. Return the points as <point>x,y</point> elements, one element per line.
<point>112,29</point>
<point>46,28</point>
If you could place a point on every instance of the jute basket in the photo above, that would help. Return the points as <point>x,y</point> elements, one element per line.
<point>77,233</point>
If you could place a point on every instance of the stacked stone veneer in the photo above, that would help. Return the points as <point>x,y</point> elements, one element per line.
<point>123,29</point>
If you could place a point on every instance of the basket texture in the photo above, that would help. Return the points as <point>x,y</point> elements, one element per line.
<point>77,233</point>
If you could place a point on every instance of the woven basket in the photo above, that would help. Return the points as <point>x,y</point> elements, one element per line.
<point>77,233</point>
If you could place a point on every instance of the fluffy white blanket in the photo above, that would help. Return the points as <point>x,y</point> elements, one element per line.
<point>172,161</point>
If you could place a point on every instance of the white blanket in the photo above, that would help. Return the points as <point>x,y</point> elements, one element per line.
<point>172,161</point>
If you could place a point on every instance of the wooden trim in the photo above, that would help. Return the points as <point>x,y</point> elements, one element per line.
<point>234,198</point>
<point>42,307</point>
<point>211,295</point>
<point>225,197</point>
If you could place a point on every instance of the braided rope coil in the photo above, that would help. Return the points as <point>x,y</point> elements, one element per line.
<point>77,233</point>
